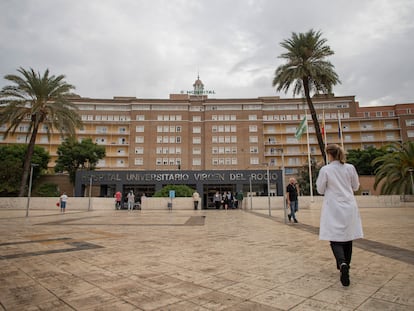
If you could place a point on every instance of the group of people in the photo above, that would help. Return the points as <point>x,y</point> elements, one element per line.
<point>130,200</point>
<point>228,200</point>
<point>340,221</point>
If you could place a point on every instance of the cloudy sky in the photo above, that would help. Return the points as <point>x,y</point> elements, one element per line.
<point>152,48</point>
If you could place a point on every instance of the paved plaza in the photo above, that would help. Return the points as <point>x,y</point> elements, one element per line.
<point>199,260</point>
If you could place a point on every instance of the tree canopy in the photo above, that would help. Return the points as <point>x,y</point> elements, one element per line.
<point>362,159</point>
<point>307,69</point>
<point>11,170</point>
<point>36,100</point>
<point>74,155</point>
<point>395,169</point>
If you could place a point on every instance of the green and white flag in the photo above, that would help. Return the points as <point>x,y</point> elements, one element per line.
<point>301,129</point>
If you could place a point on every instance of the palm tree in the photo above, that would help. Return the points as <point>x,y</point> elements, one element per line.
<point>394,169</point>
<point>308,70</point>
<point>37,100</point>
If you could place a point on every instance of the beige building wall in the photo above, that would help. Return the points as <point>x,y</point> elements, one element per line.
<point>192,132</point>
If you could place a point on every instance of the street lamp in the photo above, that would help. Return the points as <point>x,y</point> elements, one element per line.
<point>30,187</point>
<point>283,181</point>
<point>251,193</point>
<point>411,170</point>
<point>268,187</point>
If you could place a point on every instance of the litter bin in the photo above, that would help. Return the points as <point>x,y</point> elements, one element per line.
<point>169,205</point>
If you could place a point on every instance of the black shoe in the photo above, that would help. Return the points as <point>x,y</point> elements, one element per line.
<point>289,217</point>
<point>295,220</point>
<point>344,274</point>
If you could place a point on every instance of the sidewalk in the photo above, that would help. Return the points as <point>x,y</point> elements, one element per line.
<point>200,260</point>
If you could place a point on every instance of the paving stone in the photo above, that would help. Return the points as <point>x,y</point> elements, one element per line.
<point>180,260</point>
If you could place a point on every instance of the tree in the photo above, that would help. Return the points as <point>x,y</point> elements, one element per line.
<point>37,100</point>
<point>308,70</point>
<point>303,180</point>
<point>362,159</point>
<point>74,155</point>
<point>394,169</point>
<point>11,170</point>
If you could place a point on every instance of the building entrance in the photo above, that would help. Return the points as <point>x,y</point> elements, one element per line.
<point>210,190</point>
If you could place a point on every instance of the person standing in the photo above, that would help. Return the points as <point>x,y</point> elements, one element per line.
<point>292,199</point>
<point>196,198</point>
<point>239,199</point>
<point>63,199</point>
<point>217,200</point>
<point>340,222</point>
<point>131,200</point>
<point>118,198</point>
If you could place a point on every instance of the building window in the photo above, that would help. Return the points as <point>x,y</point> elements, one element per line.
<point>252,117</point>
<point>254,161</point>
<point>196,140</point>
<point>139,129</point>
<point>140,139</point>
<point>196,130</point>
<point>122,130</point>
<point>140,118</point>
<point>409,122</point>
<point>253,139</point>
<point>139,161</point>
<point>196,161</point>
<point>254,149</point>
<point>196,150</point>
<point>378,114</point>
<point>196,118</point>
<point>410,133</point>
<point>139,150</point>
<point>391,113</point>
<point>252,128</point>
<point>366,114</point>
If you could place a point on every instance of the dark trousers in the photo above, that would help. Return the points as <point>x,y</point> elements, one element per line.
<point>195,204</point>
<point>342,252</point>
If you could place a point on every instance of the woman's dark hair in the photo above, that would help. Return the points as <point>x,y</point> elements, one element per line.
<point>336,152</point>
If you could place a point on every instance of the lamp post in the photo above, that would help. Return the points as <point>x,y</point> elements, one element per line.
<point>411,170</point>
<point>90,191</point>
<point>268,187</point>
<point>251,193</point>
<point>30,187</point>
<point>283,182</point>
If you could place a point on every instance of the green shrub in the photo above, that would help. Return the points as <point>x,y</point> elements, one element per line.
<point>47,190</point>
<point>180,191</point>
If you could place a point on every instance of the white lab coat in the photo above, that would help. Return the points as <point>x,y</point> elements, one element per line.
<point>340,219</point>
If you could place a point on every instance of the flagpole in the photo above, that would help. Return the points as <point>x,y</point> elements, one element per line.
<point>340,130</point>
<point>309,158</point>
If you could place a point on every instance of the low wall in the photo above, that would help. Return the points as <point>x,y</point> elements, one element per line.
<point>95,203</point>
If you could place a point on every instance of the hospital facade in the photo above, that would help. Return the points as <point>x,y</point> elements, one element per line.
<point>192,134</point>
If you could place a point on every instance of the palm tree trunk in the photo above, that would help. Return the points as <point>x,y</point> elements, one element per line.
<point>28,161</point>
<point>314,119</point>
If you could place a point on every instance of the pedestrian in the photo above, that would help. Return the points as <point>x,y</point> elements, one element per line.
<point>196,198</point>
<point>239,199</point>
<point>292,199</point>
<point>340,221</point>
<point>63,199</point>
<point>217,200</point>
<point>131,200</point>
<point>118,199</point>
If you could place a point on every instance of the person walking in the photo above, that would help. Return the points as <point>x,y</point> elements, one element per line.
<point>63,199</point>
<point>118,198</point>
<point>196,198</point>
<point>340,221</point>
<point>131,200</point>
<point>292,199</point>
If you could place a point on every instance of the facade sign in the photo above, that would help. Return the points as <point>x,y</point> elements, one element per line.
<point>101,177</point>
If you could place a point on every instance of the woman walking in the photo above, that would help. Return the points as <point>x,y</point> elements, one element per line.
<point>340,221</point>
